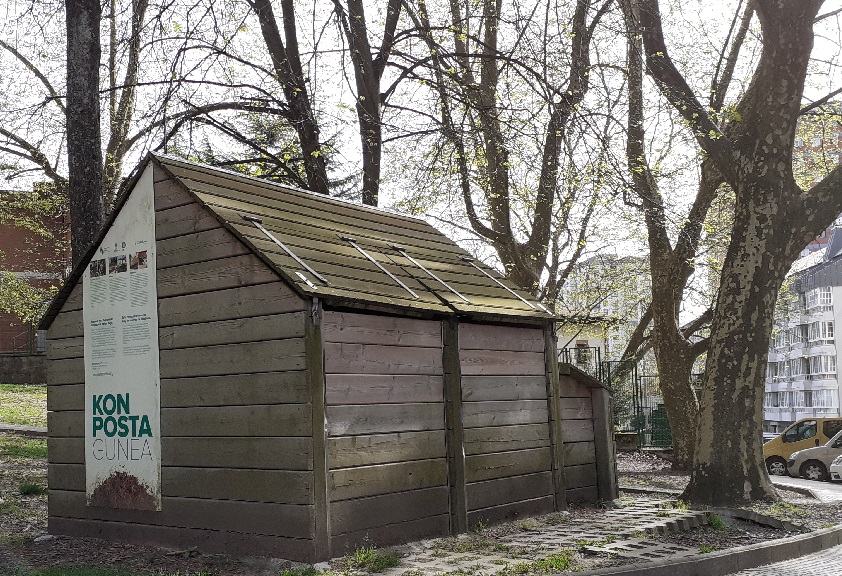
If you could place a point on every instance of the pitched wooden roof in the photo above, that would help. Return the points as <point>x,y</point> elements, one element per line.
<point>346,253</point>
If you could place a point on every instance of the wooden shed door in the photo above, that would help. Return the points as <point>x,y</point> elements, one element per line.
<point>384,396</point>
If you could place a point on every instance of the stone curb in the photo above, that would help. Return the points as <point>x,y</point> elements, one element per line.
<point>733,560</point>
<point>24,430</point>
<point>800,489</point>
<point>757,518</point>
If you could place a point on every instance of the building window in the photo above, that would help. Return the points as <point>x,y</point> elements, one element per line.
<point>821,331</point>
<point>818,398</point>
<point>819,297</point>
<point>823,366</point>
<point>799,367</point>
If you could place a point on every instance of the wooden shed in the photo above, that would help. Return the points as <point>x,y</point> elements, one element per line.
<point>323,374</point>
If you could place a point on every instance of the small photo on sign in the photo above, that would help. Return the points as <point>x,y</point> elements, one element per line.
<point>117,264</point>
<point>98,268</point>
<point>137,261</point>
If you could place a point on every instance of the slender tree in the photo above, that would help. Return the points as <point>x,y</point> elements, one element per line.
<point>474,68</point>
<point>368,73</point>
<point>286,62</point>
<point>84,153</point>
<point>672,263</point>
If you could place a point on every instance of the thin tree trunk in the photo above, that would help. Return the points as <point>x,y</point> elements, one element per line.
<point>368,72</point>
<point>84,152</point>
<point>286,61</point>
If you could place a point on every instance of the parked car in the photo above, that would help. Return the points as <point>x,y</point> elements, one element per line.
<point>813,463</point>
<point>836,469</point>
<point>806,433</point>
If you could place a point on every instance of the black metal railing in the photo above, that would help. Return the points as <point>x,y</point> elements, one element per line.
<point>588,359</point>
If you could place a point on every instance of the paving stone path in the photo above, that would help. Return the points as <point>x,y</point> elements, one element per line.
<point>619,532</point>
<point>825,563</point>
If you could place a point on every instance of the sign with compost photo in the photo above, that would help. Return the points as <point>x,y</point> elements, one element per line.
<point>122,380</point>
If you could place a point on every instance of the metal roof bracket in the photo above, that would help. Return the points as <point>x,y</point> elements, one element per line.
<point>509,290</point>
<point>353,243</point>
<point>430,274</point>
<point>258,223</point>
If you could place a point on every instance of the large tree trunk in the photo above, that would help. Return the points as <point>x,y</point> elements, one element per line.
<point>773,220</point>
<point>729,465</point>
<point>84,147</point>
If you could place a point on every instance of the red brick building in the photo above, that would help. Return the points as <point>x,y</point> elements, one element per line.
<point>40,259</point>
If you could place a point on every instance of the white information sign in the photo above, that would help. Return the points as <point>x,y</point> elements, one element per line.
<point>122,380</point>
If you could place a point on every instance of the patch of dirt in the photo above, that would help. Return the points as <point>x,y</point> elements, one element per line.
<point>735,533</point>
<point>66,551</point>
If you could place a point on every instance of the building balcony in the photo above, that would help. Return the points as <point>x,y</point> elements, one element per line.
<point>793,414</point>
<point>817,314</point>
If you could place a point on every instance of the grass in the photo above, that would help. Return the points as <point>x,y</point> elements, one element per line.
<point>24,405</point>
<point>301,571</point>
<point>27,489</point>
<point>371,559</point>
<point>715,522</point>
<point>15,446</point>
<point>787,510</point>
<point>549,565</point>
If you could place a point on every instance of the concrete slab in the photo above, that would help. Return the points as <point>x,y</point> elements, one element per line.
<point>24,430</point>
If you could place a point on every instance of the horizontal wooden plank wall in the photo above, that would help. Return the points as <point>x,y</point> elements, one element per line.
<point>236,422</point>
<point>508,457</point>
<point>577,425</point>
<point>387,468</point>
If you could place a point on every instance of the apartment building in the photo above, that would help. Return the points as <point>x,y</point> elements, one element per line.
<point>802,374</point>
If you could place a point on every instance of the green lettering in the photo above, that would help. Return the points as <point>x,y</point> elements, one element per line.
<point>122,403</point>
<point>124,428</point>
<point>97,400</point>
<point>97,424</point>
<point>110,426</point>
<point>145,428</point>
<point>109,404</point>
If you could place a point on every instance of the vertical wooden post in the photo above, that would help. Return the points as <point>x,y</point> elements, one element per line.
<point>455,432</point>
<point>606,461</point>
<point>554,402</point>
<point>316,375</point>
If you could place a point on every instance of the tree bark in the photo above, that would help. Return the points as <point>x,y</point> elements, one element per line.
<point>368,72</point>
<point>84,152</point>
